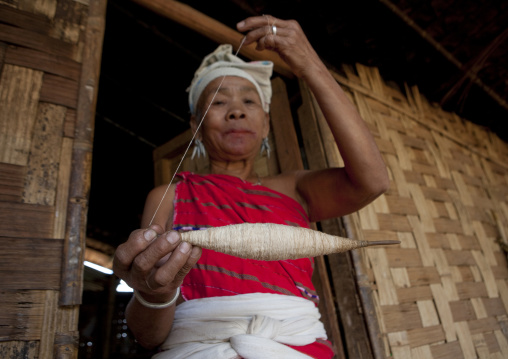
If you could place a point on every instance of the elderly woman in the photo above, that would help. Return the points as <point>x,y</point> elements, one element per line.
<point>232,307</point>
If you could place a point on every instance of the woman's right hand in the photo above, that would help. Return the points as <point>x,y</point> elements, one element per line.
<point>155,262</point>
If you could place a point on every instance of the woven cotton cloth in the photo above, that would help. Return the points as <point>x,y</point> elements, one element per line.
<point>222,62</point>
<point>220,200</point>
<point>251,326</point>
<point>203,201</point>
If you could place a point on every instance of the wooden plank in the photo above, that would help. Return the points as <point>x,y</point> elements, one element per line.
<point>11,182</point>
<point>70,123</point>
<point>469,290</point>
<point>288,151</point>
<point>3,50</point>
<point>486,271</point>
<point>12,349</point>
<point>212,29</point>
<point>75,237</point>
<point>355,333</point>
<point>385,286</point>
<point>403,257</point>
<point>25,220</point>
<point>491,342</point>
<point>62,191</point>
<point>438,240</point>
<point>436,194</point>
<point>413,294</point>
<point>401,317</point>
<point>465,340</point>
<point>43,163</point>
<point>422,336</point>
<point>43,7</point>
<point>70,20</point>
<point>459,258</point>
<point>489,324</point>
<point>462,310</point>
<point>375,235</point>
<point>326,306</point>
<point>392,222</point>
<point>494,307</point>
<point>446,225</point>
<point>428,313</point>
<point>49,323</point>
<point>19,96</point>
<point>29,263</point>
<point>59,91</point>
<point>27,324</point>
<point>447,351</point>
<point>23,19</point>
<point>468,242</point>
<point>401,205</point>
<point>423,275</point>
<point>33,40</point>
<point>314,150</point>
<point>38,60</point>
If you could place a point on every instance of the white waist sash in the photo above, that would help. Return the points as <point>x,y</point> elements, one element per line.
<point>249,326</point>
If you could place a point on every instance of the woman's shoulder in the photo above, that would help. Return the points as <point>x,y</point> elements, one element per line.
<point>285,183</point>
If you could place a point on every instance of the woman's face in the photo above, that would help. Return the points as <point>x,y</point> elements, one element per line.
<point>236,123</point>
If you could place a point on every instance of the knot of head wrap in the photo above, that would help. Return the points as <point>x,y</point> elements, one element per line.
<point>222,62</point>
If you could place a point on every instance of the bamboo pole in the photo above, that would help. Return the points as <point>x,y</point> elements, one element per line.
<point>72,265</point>
<point>212,29</point>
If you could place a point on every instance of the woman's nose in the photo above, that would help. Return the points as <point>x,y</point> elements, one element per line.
<point>236,112</point>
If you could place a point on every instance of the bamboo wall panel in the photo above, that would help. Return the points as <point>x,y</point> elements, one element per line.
<point>49,58</point>
<point>443,292</point>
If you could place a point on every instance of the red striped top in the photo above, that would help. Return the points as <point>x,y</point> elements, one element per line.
<point>219,200</point>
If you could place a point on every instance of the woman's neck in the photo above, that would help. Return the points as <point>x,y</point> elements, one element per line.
<point>241,169</point>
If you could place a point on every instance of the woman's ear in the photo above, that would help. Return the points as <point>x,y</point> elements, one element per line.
<point>194,126</point>
<point>266,130</point>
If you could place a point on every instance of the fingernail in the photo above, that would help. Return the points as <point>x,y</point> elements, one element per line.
<point>184,247</point>
<point>240,24</point>
<point>172,237</point>
<point>149,234</point>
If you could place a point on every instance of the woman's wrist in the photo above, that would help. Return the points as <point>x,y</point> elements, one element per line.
<point>151,305</point>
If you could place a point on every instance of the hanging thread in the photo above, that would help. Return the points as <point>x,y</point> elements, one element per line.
<point>193,137</point>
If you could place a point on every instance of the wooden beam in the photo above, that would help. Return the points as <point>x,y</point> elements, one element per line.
<point>212,29</point>
<point>288,150</point>
<point>73,254</point>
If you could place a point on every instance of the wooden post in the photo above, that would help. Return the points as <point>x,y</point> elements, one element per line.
<point>72,265</point>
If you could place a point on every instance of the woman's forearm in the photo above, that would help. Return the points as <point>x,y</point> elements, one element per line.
<point>149,326</point>
<point>363,162</point>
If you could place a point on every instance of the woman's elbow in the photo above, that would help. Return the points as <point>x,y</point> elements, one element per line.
<point>376,188</point>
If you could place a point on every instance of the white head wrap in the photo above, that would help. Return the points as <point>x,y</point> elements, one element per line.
<point>222,62</point>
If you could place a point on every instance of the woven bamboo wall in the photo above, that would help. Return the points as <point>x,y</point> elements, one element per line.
<point>49,58</point>
<point>443,292</point>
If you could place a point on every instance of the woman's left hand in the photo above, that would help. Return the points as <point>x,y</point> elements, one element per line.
<point>289,41</point>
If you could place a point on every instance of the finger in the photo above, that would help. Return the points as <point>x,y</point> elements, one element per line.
<point>258,27</point>
<point>257,34</point>
<point>137,242</point>
<point>191,261</point>
<point>145,261</point>
<point>257,22</point>
<point>174,270</point>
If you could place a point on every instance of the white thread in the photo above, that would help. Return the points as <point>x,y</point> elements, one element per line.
<point>192,139</point>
